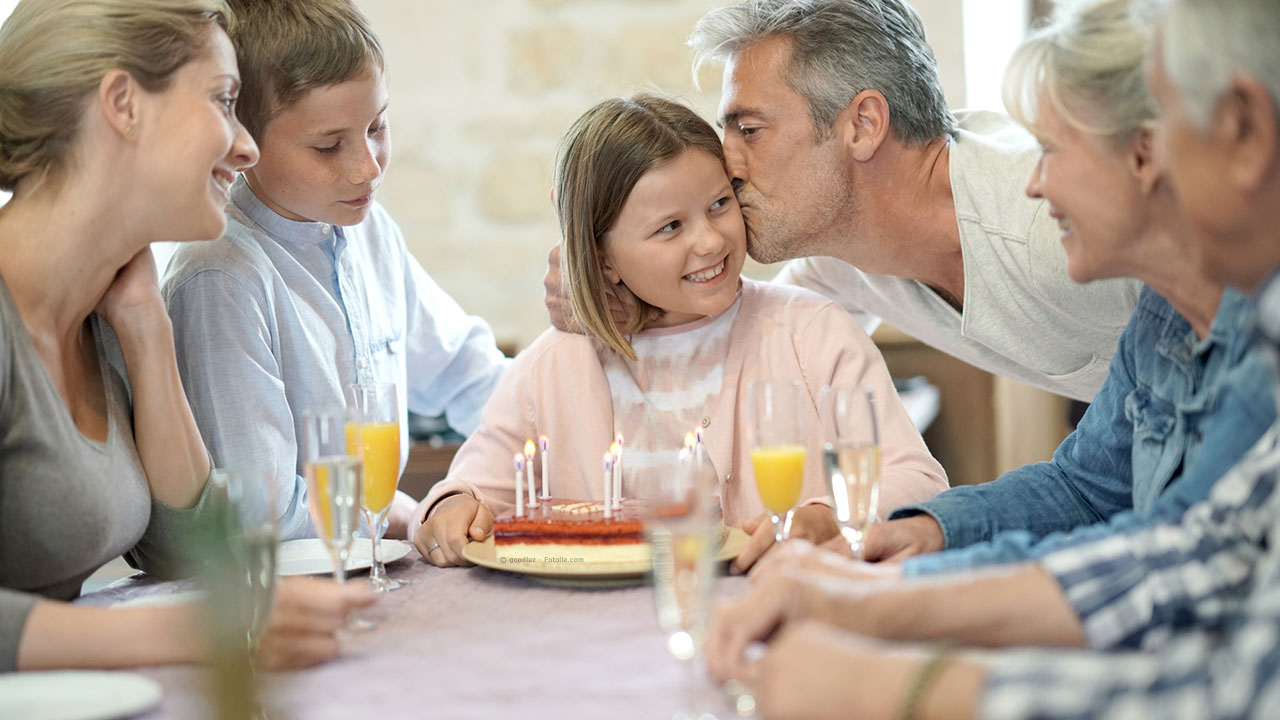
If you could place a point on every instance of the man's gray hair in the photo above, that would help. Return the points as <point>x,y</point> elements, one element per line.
<point>838,49</point>
<point>1208,42</point>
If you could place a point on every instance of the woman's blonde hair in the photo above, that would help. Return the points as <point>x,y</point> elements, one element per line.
<point>599,161</point>
<point>1088,64</point>
<point>53,54</point>
<point>287,48</point>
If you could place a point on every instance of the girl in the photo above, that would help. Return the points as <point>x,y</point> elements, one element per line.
<point>648,213</point>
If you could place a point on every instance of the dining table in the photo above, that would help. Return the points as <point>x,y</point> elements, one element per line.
<point>472,642</point>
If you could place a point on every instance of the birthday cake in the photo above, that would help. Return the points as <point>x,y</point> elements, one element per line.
<point>571,532</point>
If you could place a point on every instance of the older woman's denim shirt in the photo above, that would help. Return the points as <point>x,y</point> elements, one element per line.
<point>1174,413</point>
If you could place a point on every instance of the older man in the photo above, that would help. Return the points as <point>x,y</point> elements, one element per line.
<point>1204,591</point>
<point>844,154</point>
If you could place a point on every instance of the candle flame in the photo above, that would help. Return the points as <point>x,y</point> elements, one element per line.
<point>542,442</point>
<point>519,461</point>
<point>697,434</point>
<point>528,449</point>
<point>615,449</point>
<point>608,461</point>
<point>617,439</point>
<point>688,440</point>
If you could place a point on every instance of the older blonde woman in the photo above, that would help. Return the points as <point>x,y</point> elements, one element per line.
<point>116,130</point>
<point>1201,588</point>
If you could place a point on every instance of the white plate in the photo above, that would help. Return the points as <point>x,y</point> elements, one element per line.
<point>310,557</point>
<point>76,695</point>
<point>485,555</point>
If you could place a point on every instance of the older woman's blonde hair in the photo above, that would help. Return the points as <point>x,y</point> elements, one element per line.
<point>1088,65</point>
<point>599,161</point>
<point>53,54</point>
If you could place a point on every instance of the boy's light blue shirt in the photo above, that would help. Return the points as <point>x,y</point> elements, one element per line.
<point>277,317</point>
<point>1174,413</point>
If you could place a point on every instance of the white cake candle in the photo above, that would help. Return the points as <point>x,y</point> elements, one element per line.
<point>617,471</point>
<point>519,485</point>
<point>542,445</point>
<point>528,472</point>
<point>608,484</point>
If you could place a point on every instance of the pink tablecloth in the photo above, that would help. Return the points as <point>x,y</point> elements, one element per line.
<point>472,643</point>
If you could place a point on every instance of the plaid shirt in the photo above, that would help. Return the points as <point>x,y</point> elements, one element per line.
<point>1194,607</point>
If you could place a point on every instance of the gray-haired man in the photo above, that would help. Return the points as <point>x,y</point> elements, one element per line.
<point>845,155</point>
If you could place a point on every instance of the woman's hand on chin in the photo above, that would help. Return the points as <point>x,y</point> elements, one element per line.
<point>132,302</point>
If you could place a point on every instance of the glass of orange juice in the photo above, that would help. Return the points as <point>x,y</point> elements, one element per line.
<point>777,413</point>
<point>373,434</point>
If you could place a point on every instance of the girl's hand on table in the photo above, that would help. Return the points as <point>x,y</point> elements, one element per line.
<point>454,522</point>
<point>306,616</point>
<point>810,522</point>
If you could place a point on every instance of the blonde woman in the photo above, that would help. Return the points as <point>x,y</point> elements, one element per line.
<point>116,130</point>
<point>647,210</point>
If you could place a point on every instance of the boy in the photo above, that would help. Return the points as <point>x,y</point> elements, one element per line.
<point>311,287</point>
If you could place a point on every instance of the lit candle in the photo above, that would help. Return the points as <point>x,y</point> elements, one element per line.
<point>528,472</point>
<point>617,471</point>
<point>542,443</point>
<point>519,485</point>
<point>608,483</point>
<point>698,452</point>
<point>688,455</point>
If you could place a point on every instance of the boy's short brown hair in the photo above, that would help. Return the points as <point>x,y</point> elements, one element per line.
<point>287,48</point>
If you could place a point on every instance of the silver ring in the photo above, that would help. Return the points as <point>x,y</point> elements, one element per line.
<point>430,550</point>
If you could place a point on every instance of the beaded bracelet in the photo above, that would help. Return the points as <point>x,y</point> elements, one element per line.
<point>920,682</point>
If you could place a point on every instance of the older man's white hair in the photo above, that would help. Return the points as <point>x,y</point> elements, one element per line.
<point>1209,42</point>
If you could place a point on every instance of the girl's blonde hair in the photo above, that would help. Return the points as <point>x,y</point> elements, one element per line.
<point>53,54</point>
<point>599,161</point>
<point>1088,64</point>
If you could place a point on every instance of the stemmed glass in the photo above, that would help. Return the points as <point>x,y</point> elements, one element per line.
<point>251,533</point>
<point>777,413</point>
<point>851,452</point>
<point>334,484</point>
<point>680,516</point>
<point>252,536</point>
<point>374,411</point>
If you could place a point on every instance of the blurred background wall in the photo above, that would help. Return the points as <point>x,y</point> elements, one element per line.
<point>482,90</point>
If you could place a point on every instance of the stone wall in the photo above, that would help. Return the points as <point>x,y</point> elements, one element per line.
<point>481,90</point>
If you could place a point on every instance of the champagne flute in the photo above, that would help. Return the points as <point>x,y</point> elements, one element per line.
<point>680,516</point>
<point>250,523</point>
<point>374,411</point>
<point>334,484</point>
<point>334,480</point>
<point>851,452</point>
<point>777,413</point>
<point>252,535</point>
